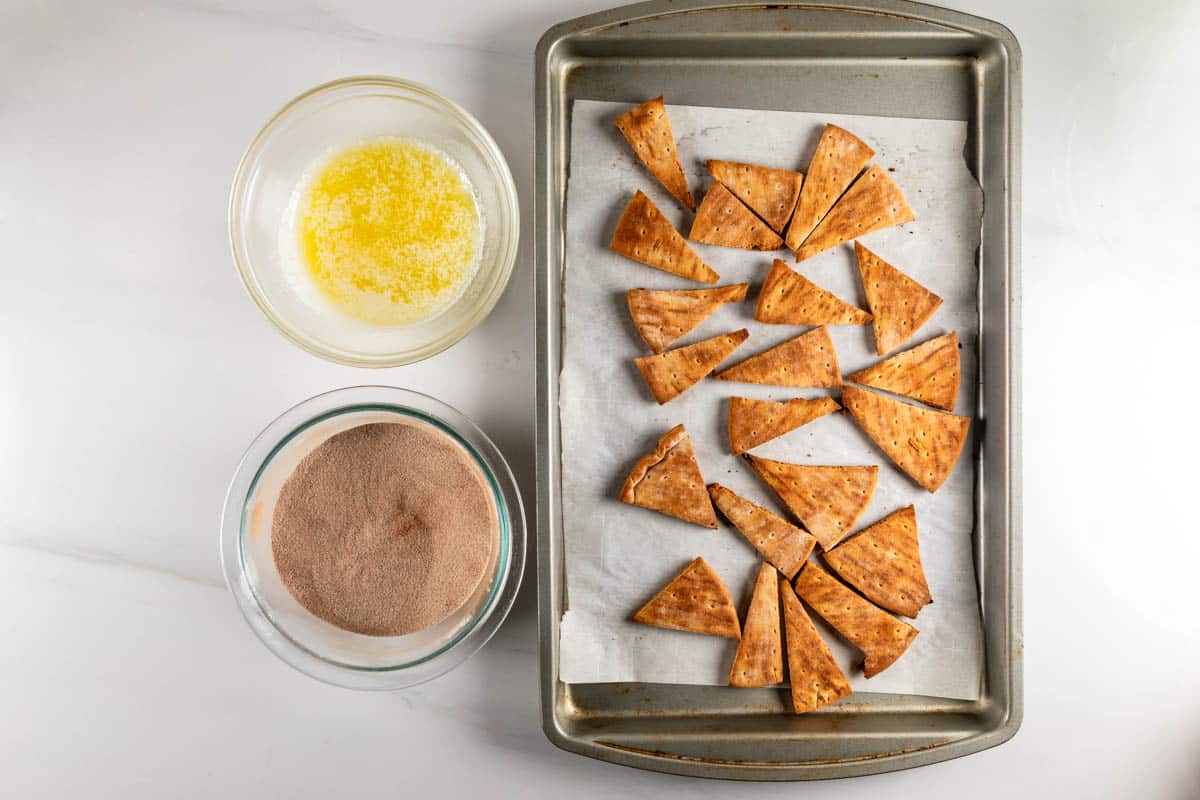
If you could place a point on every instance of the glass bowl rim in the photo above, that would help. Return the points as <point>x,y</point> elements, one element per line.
<point>510,208</point>
<point>510,562</point>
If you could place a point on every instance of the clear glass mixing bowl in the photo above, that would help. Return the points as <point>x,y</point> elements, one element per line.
<point>313,645</point>
<point>306,131</point>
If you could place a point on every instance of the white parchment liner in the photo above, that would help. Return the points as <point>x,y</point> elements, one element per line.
<point>618,555</point>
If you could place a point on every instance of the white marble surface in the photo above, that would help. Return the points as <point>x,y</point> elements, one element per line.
<point>133,371</point>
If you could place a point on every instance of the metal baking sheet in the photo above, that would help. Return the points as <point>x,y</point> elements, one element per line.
<point>879,58</point>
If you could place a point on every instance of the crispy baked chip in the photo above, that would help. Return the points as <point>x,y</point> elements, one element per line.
<point>900,304</point>
<point>662,317</point>
<point>724,220</point>
<point>753,422</point>
<point>807,360</point>
<point>759,658</point>
<point>672,373</point>
<point>873,203</point>
<point>881,637</point>
<point>695,600</point>
<point>827,500</point>
<point>648,131</point>
<point>787,297</point>
<point>922,442</point>
<point>929,372</point>
<point>770,193</point>
<point>668,480</point>
<point>884,563</point>
<point>645,235</point>
<point>815,677</point>
<point>776,539</point>
<point>839,158</point>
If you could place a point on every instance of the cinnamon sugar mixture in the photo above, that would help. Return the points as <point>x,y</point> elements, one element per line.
<point>384,529</point>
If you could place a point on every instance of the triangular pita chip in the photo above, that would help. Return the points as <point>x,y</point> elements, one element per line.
<point>923,442</point>
<point>787,297</point>
<point>662,317</point>
<point>815,677</point>
<point>724,220</point>
<point>873,203</point>
<point>884,563</point>
<point>881,637</point>
<point>827,500</point>
<point>807,360</point>
<point>840,156</point>
<point>695,600</point>
<point>668,480</point>
<point>929,372</point>
<point>770,193</point>
<point>672,373</point>
<point>648,131</point>
<point>753,422</point>
<point>899,304</point>
<point>645,235</point>
<point>776,539</point>
<point>759,658</point>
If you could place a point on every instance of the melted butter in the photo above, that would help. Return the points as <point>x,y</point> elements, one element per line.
<point>389,231</point>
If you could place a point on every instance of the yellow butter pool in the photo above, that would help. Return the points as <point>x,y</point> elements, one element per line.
<point>389,231</point>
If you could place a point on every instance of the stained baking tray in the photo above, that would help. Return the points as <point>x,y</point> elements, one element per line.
<point>881,57</point>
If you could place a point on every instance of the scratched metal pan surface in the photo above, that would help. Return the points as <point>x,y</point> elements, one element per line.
<point>883,57</point>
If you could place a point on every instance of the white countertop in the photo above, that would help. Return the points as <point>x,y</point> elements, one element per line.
<point>133,372</point>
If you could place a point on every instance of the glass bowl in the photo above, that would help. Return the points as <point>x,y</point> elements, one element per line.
<point>310,129</point>
<point>313,645</point>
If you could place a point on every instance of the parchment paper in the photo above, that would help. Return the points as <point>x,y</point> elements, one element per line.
<point>618,555</point>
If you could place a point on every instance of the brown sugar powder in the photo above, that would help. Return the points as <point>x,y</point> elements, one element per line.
<point>384,529</point>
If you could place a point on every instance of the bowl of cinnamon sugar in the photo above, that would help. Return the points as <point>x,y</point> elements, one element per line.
<point>373,537</point>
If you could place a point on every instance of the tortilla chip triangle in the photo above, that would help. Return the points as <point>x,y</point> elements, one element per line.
<point>840,156</point>
<point>759,658</point>
<point>770,193</point>
<point>881,637</point>
<point>695,600</point>
<point>672,373</point>
<point>724,220</point>
<point>787,297</point>
<point>648,131</point>
<point>884,563</point>
<point>668,480</point>
<point>815,677</point>
<point>807,360</point>
<point>753,422</point>
<point>922,442</point>
<point>873,203</point>
<point>645,235</point>
<point>662,317</point>
<point>929,372</point>
<point>827,500</point>
<point>900,304</point>
<point>776,539</point>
